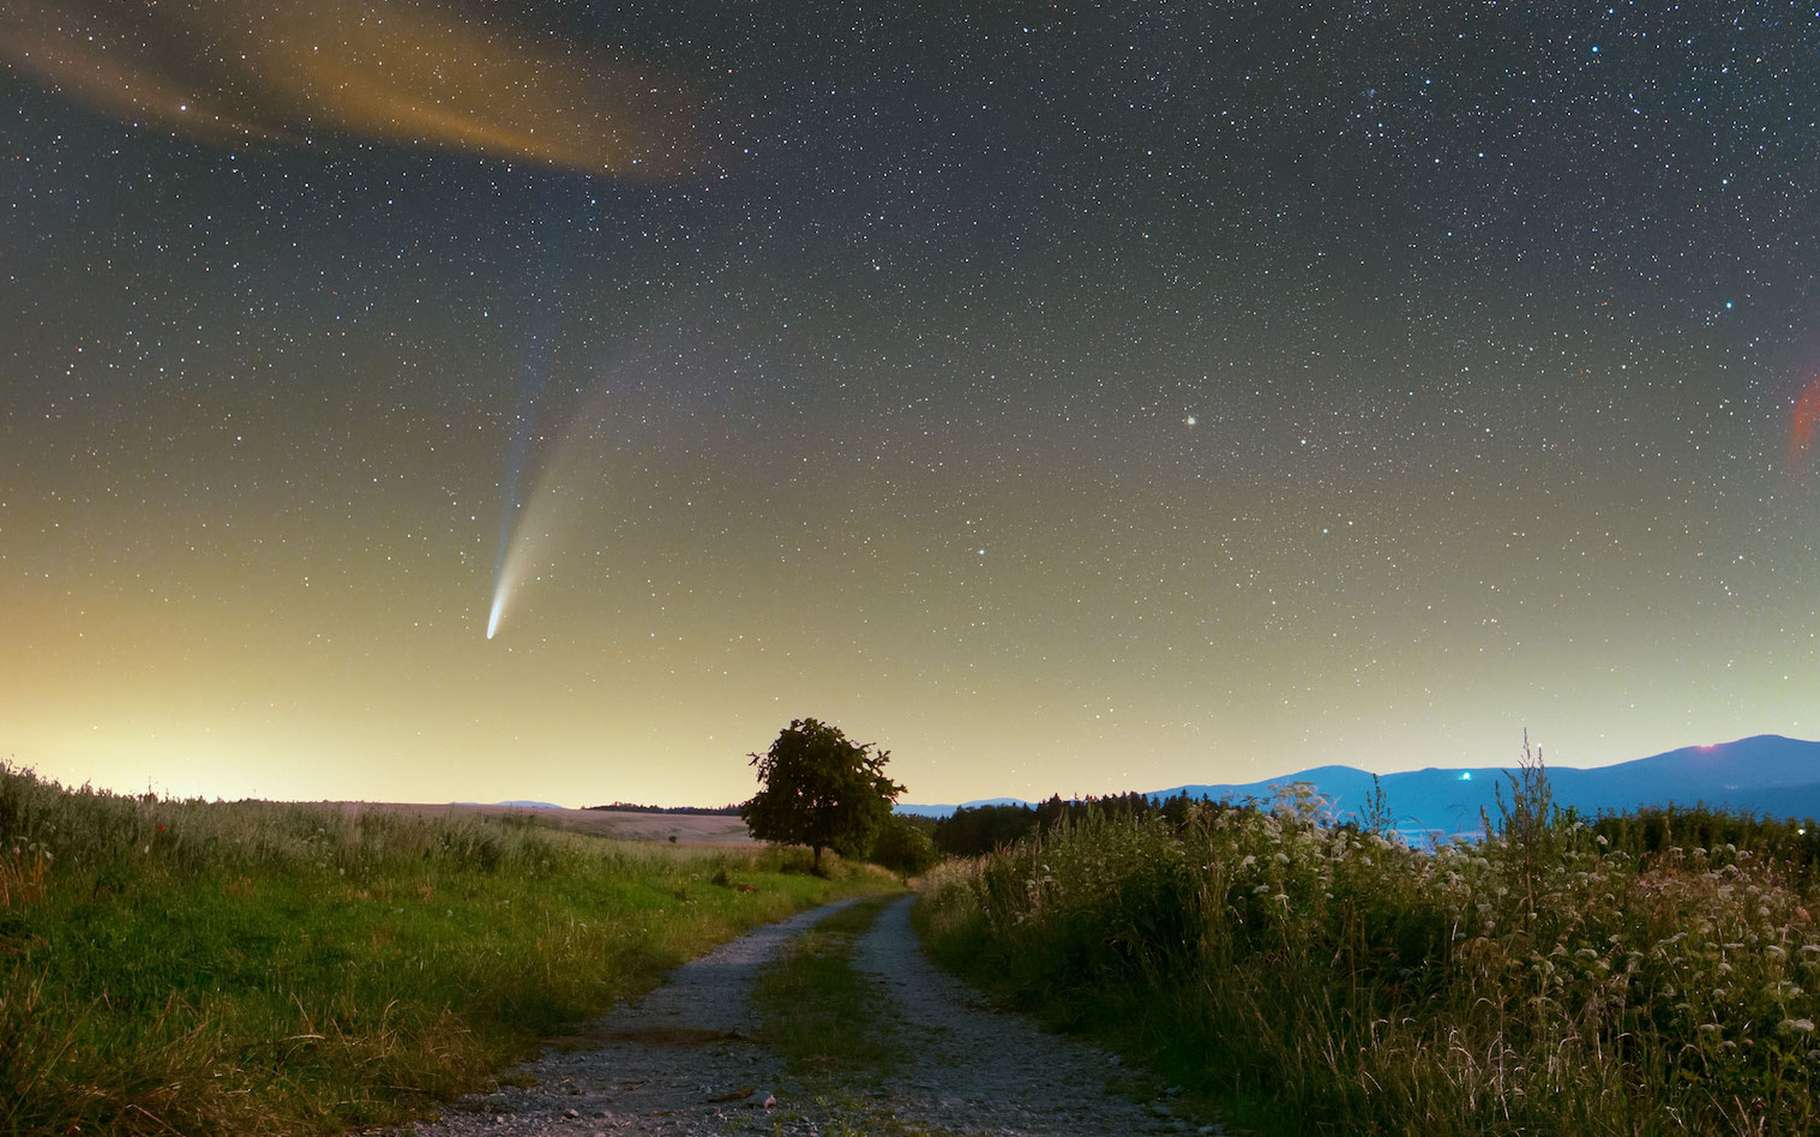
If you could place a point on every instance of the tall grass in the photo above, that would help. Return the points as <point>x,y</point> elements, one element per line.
<point>181,967</point>
<point>1314,978</point>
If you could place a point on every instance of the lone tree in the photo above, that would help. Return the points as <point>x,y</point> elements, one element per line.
<point>821,790</point>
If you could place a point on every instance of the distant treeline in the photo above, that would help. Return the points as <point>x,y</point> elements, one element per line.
<point>972,831</point>
<point>692,810</point>
<point>1644,833</point>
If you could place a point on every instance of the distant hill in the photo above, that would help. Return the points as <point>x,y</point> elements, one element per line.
<point>529,805</point>
<point>1767,774</point>
<point>945,810</point>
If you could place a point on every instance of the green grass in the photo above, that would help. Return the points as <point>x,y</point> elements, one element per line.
<point>824,1018</point>
<point>1312,979</point>
<point>181,967</point>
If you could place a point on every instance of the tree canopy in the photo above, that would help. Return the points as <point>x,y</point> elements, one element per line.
<point>820,789</point>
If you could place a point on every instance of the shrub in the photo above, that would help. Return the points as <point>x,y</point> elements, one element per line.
<point>903,847</point>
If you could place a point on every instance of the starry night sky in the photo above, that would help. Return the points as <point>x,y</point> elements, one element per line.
<point>1067,398</point>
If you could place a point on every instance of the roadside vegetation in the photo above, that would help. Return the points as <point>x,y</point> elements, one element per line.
<point>184,967</point>
<point>1654,974</point>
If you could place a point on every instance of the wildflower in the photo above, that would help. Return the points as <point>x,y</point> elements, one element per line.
<point>1797,1026</point>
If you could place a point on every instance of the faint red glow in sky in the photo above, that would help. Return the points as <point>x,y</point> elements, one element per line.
<point>1801,426</point>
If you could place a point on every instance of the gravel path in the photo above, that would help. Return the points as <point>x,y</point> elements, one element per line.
<point>973,1069</point>
<point>681,1063</point>
<point>677,1063</point>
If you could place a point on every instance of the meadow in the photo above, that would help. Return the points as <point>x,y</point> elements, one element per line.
<point>1630,976</point>
<point>215,968</point>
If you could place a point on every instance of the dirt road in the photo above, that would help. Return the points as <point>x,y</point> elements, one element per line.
<point>682,1062</point>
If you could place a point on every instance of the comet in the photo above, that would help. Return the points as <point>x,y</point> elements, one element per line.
<point>509,557</point>
<point>561,484</point>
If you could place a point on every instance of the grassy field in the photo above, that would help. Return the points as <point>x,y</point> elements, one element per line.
<point>178,967</point>
<point>1303,978</point>
<point>690,829</point>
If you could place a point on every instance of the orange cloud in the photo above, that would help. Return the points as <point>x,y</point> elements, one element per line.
<point>228,70</point>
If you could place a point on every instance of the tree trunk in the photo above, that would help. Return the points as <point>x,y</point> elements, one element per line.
<point>818,859</point>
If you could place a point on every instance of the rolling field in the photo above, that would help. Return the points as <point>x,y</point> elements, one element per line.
<point>688,829</point>
<point>183,967</point>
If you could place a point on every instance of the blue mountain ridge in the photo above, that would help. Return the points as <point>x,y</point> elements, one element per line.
<point>1766,774</point>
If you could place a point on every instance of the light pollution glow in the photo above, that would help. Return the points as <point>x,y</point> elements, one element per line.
<point>240,70</point>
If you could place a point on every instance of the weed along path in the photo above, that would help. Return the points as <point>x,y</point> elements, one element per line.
<point>830,1024</point>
